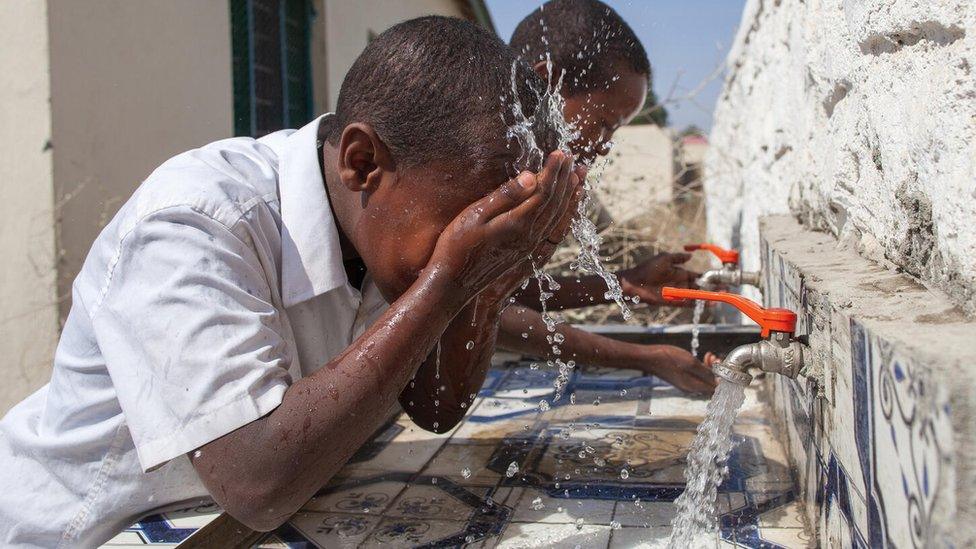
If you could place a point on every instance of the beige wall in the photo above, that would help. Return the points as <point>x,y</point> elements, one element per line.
<point>347,27</point>
<point>133,83</point>
<point>639,172</point>
<point>29,317</point>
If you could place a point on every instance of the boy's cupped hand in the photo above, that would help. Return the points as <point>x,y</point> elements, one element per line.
<point>495,241</point>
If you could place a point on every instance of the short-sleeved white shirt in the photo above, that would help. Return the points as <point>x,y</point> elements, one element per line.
<point>216,286</point>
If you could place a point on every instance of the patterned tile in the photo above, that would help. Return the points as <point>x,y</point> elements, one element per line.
<point>568,536</point>
<point>873,455</point>
<point>536,506</point>
<point>334,529</point>
<point>409,488</point>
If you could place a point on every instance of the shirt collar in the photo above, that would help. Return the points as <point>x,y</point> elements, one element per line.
<point>311,259</point>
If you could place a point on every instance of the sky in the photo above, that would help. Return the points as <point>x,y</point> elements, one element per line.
<point>686,40</point>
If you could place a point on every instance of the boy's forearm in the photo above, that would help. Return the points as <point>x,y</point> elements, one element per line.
<point>573,292</point>
<point>263,472</point>
<point>523,330</point>
<point>445,384</point>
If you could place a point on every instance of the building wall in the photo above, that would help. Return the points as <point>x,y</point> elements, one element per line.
<point>132,84</point>
<point>29,321</point>
<point>859,117</point>
<point>349,24</point>
<point>639,172</point>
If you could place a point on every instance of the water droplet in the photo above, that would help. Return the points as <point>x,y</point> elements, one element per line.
<point>543,405</point>
<point>599,461</point>
<point>579,524</point>
<point>624,474</point>
<point>469,345</point>
<point>558,338</point>
<point>466,473</point>
<point>614,525</point>
<point>525,335</point>
<point>512,470</point>
<point>537,504</point>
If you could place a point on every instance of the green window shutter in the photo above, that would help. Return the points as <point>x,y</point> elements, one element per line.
<point>272,66</point>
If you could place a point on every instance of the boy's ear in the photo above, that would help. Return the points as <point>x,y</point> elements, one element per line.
<point>363,158</point>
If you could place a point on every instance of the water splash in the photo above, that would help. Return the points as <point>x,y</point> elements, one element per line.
<point>695,524</point>
<point>521,134</point>
<point>696,326</point>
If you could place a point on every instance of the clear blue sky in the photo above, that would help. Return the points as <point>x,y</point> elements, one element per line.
<point>685,40</point>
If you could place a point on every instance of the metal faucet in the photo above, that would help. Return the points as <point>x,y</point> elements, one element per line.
<point>778,352</point>
<point>731,274</point>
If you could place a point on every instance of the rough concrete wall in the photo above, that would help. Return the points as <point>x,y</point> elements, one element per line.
<point>29,317</point>
<point>859,117</point>
<point>132,84</point>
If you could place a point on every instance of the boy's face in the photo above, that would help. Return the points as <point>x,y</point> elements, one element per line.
<point>598,114</point>
<point>401,221</point>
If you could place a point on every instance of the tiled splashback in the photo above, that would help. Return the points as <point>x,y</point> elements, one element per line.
<point>872,441</point>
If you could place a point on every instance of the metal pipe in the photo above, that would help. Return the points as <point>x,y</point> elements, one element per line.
<point>779,355</point>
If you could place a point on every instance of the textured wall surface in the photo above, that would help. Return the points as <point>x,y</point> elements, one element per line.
<point>639,172</point>
<point>132,84</point>
<point>859,117</point>
<point>28,302</point>
<point>883,442</point>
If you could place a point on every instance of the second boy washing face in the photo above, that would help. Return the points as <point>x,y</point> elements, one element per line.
<point>605,74</point>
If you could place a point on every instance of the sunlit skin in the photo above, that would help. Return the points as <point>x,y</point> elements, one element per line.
<point>446,259</point>
<point>597,114</point>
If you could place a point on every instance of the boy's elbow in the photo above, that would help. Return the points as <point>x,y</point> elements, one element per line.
<point>260,508</point>
<point>441,423</point>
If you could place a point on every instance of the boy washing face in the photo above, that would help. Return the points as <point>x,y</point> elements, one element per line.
<point>229,337</point>
<point>605,74</point>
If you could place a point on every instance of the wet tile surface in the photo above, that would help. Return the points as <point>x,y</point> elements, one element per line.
<point>602,472</point>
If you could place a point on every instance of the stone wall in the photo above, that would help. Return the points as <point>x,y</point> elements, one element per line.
<point>858,117</point>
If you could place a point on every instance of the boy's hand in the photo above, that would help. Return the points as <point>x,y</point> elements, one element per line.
<point>498,234</point>
<point>646,279</point>
<point>676,366</point>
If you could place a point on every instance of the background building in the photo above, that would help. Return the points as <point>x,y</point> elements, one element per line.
<point>96,94</point>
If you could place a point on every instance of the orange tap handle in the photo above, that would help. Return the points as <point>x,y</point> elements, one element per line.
<point>770,320</point>
<point>723,255</point>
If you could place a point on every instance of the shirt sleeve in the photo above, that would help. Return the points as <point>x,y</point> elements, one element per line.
<point>189,334</point>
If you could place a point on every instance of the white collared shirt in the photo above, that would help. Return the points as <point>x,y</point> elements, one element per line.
<point>215,287</point>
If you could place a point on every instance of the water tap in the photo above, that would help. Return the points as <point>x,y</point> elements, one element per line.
<point>779,351</point>
<point>731,274</point>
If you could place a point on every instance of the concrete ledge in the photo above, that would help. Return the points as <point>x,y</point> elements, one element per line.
<point>884,444</point>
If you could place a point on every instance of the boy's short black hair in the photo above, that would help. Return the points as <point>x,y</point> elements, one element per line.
<point>585,38</point>
<point>433,89</point>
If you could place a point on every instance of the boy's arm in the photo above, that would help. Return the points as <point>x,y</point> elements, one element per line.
<point>672,364</point>
<point>264,471</point>
<point>446,384</point>
<point>644,280</point>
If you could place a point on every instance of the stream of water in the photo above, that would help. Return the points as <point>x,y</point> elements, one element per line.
<point>695,524</point>
<point>696,326</point>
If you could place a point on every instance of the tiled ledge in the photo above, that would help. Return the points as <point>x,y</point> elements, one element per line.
<point>884,444</point>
